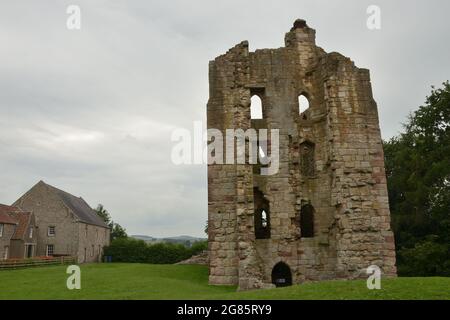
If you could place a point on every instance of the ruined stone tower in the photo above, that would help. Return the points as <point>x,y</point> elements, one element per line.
<point>324,214</point>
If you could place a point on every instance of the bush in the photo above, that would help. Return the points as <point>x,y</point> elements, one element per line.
<point>427,258</point>
<point>133,250</point>
<point>126,250</point>
<point>198,247</point>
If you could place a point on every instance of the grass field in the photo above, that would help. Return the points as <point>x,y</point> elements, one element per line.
<point>144,281</point>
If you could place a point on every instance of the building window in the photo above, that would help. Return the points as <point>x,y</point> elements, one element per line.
<point>1,229</point>
<point>50,250</point>
<point>31,232</point>
<point>307,221</point>
<point>303,103</point>
<point>92,252</point>
<point>51,231</point>
<point>264,219</point>
<point>256,108</point>
<point>261,215</point>
<point>86,231</point>
<point>6,253</point>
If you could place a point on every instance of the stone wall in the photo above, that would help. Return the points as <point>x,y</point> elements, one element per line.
<point>92,239</point>
<point>344,182</point>
<point>49,210</point>
<point>18,246</point>
<point>5,240</point>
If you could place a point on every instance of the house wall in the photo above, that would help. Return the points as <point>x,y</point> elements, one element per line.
<point>5,239</point>
<point>17,249</point>
<point>49,210</point>
<point>92,240</point>
<point>18,245</point>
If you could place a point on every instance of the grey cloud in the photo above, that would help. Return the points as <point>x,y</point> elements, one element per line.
<point>91,111</point>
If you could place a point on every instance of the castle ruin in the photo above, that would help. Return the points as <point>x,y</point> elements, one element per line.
<point>325,213</point>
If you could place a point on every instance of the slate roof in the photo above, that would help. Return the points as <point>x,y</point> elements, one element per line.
<point>79,207</point>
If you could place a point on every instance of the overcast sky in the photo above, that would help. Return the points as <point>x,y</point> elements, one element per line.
<point>91,111</point>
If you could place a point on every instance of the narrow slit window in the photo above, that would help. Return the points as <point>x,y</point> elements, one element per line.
<point>307,221</point>
<point>261,215</point>
<point>264,219</point>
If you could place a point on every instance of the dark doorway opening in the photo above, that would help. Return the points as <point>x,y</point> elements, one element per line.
<point>281,275</point>
<point>29,251</point>
<point>307,221</point>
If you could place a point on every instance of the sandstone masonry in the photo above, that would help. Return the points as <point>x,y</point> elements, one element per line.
<point>327,213</point>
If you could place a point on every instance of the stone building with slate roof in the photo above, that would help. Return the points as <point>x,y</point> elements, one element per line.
<point>67,225</point>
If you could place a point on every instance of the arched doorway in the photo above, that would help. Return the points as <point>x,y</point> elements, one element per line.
<point>281,275</point>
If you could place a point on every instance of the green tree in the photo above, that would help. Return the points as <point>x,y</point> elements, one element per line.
<point>103,213</point>
<point>418,173</point>
<point>117,231</point>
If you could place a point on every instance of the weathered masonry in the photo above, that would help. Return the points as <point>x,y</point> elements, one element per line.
<point>325,214</point>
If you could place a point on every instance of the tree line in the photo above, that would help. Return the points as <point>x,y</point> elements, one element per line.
<point>125,249</point>
<point>418,174</point>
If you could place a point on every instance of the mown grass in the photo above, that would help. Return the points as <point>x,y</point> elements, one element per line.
<point>146,281</point>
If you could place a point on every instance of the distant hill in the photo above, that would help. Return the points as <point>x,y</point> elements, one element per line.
<point>145,238</point>
<point>183,239</point>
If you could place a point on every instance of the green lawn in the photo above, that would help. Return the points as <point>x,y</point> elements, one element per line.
<point>145,281</point>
